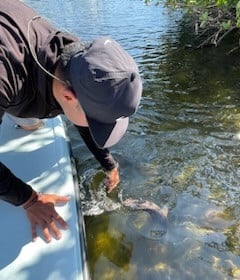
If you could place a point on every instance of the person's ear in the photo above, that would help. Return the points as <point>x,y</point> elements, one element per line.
<point>68,96</point>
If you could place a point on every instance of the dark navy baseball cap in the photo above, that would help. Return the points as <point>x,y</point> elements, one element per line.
<point>107,83</point>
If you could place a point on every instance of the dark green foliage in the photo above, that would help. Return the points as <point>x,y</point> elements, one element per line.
<point>212,20</point>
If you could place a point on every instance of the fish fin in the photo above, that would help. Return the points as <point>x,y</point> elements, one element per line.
<point>165,210</point>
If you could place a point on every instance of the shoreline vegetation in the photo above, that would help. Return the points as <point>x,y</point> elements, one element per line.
<point>212,21</point>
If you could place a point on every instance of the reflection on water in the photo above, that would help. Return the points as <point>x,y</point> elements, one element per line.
<point>181,149</point>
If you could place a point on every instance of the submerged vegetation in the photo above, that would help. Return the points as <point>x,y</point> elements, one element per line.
<point>212,20</point>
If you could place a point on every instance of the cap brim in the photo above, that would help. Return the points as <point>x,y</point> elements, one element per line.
<point>106,135</point>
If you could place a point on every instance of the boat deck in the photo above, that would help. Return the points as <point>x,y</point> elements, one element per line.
<point>42,159</point>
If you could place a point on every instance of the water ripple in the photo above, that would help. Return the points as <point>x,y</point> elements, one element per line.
<point>181,150</point>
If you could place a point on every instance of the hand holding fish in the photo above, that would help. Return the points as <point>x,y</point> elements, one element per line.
<point>112,179</point>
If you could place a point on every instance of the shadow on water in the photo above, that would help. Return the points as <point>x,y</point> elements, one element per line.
<point>181,149</point>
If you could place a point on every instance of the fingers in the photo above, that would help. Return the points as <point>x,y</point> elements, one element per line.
<point>61,199</point>
<point>46,217</point>
<point>52,198</point>
<point>55,230</point>
<point>46,234</point>
<point>112,180</point>
<point>48,229</point>
<point>34,232</point>
<point>110,188</point>
<point>110,185</point>
<point>60,221</point>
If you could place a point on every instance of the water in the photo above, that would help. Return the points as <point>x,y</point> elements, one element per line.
<point>181,149</point>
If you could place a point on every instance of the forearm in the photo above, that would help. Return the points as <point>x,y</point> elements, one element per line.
<point>12,189</point>
<point>103,156</point>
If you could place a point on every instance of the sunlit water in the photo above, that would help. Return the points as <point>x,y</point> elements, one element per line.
<point>181,150</point>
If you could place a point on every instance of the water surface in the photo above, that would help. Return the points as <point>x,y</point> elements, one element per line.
<point>181,149</point>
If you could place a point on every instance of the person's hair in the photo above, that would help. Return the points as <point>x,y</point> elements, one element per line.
<point>63,64</point>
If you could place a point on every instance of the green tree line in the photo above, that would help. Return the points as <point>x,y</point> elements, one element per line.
<point>212,20</point>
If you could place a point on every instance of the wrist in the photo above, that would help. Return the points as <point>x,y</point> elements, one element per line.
<point>115,167</point>
<point>32,200</point>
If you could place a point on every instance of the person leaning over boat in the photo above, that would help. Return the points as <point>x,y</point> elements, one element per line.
<point>45,72</point>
